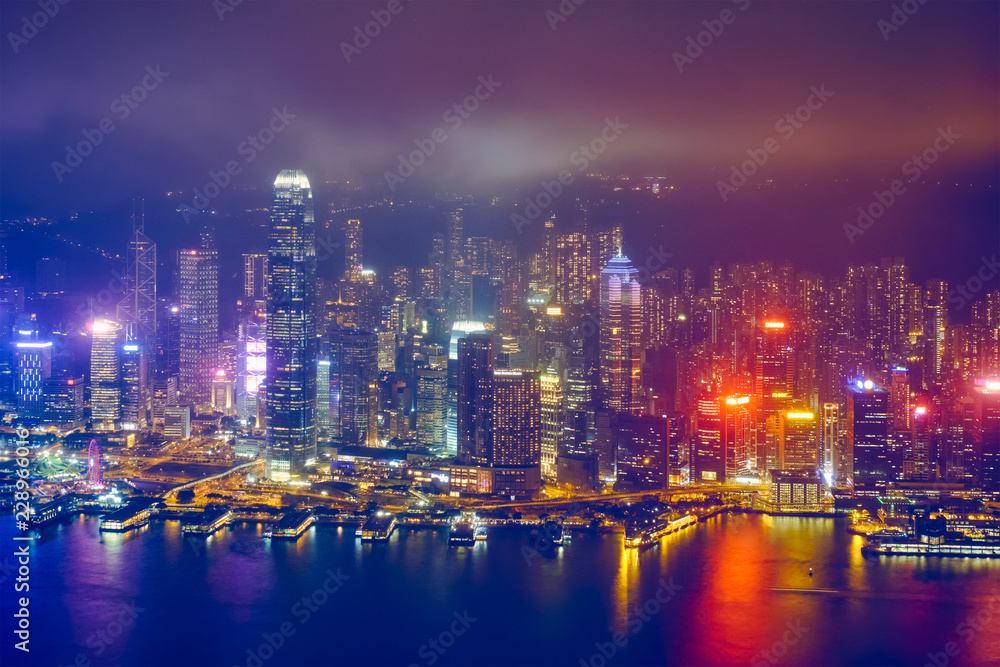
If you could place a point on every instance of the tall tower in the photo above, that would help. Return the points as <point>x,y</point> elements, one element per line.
<point>867,437</point>
<point>105,375</point>
<point>935,322</point>
<point>774,373</point>
<point>621,334</point>
<point>354,362</point>
<point>137,310</point>
<point>474,395</point>
<point>353,248</point>
<point>432,406</point>
<point>291,329</point>
<point>199,322</point>
<point>573,268</point>
<point>517,421</point>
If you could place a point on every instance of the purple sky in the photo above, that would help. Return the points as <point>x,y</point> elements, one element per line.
<point>608,59</point>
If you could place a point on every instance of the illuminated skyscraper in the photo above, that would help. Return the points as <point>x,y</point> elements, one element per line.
<point>935,321</point>
<point>137,310</point>
<point>987,436</point>
<point>291,329</point>
<point>643,451</point>
<point>707,452</point>
<point>64,401</point>
<point>517,423</point>
<point>199,322</point>
<point>799,446</point>
<point>552,420</point>
<point>353,248</point>
<point>135,386</point>
<point>354,370</point>
<point>255,277</point>
<point>621,336</point>
<point>867,437</point>
<point>573,269</point>
<point>251,364</point>
<point>323,392</point>
<point>474,396</point>
<point>835,464</point>
<point>774,373</point>
<point>33,360</point>
<point>432,407</point>
<point>105,375</point>
<point>738,437</point>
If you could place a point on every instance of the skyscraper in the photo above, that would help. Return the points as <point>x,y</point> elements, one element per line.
<point>135,385</point>
<point>432,407</point>
<point>867,437</point>
<point>353,248</point>
<point>474,395</point>
<point>105,375</point>
<point>517,422</point>
<point>572,270</point>
<point>137,310</point>
<point>799,447</point>
<point>552,420</point>
<point>291,329</point>
<point>354,374</point>
<point>774,372</point>
<point>621,336</point>
<point>199,322</point>
<point>33,360</point>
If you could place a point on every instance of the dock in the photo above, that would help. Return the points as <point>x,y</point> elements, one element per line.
<point>292,525</point>
<point>212,521</point>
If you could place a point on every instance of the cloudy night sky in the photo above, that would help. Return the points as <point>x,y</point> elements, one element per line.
<point>893,89</point>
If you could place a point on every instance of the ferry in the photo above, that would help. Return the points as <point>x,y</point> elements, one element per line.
<point>644,535</point>
<point>292,525</point>
<point>378,527</point>
<point>464,530</point>
<point>125,519</point>
<point>552,531</point>
<point>904,546</point>
<point>208,524</point>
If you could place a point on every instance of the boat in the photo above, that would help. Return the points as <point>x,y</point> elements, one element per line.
<point>464,529</point>
<point>552,532</point>
<point>378,527</point>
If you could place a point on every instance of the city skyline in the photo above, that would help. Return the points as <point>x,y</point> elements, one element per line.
<point>560,332</point>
